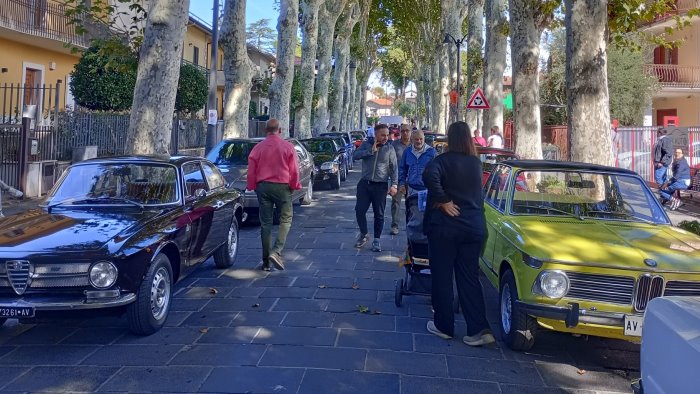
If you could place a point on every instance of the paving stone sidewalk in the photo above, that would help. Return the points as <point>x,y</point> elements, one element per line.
<point>301,331</point>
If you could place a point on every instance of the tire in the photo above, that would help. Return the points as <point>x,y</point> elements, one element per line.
<point>344,173</point>
<point>398,292</point>
<point>308,196</point>
<point>225,256</point>
<point>145,318</point>
<point>335,182</point>
<point>517,328</point>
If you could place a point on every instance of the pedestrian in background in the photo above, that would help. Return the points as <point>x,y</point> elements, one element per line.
<point>662,156</point>
<point>456,228</point>
<point>679,181</point>
<point>495,140</point>
<point>273,172</point>
<point>616,144</point>
<point>379,178</point>
<point>478,139</point>
<point>411,168</point>
<point>400,146</point>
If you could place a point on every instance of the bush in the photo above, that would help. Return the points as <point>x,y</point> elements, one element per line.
<point>693,227</point>
<point>192,89</point>
<point>103,84</point>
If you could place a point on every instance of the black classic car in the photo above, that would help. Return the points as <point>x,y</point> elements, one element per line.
<point>231,157</point>
<point>118,232</point>
<point>348,143</point>
<point>329,159</point>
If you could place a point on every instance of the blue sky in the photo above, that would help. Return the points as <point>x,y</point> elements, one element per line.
<point>255,10</point>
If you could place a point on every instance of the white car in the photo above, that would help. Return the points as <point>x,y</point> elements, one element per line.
<point>670,354</point>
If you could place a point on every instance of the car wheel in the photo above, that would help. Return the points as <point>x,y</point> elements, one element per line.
<point>344,173</point>
<point>306,200</point>
<point>225,256</point>
<point>398,292</point>
<point>335,182</point>
<point>147,314</point>
<point>517,327</point>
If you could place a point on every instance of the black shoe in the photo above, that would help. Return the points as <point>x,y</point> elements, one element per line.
<point>277,261</point>
<point>266,266</point>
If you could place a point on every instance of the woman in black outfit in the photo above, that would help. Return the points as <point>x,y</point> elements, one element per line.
<point>456,228</point>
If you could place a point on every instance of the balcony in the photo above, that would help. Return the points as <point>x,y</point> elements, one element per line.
<point>679,8</point>
<point>675,76</point>
<point>40,19</point>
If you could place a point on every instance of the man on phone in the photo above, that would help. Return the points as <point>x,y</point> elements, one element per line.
<point>379,178</point>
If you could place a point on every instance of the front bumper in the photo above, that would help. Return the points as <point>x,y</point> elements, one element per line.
<point>572,315</point>
<point>67,303</point>
<point>324,175</point>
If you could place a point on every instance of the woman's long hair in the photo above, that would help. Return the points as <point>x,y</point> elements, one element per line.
<point>459,139</point>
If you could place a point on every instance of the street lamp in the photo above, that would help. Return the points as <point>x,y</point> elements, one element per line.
<point>458,43</point>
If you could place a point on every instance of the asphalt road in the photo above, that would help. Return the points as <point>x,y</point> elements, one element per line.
<point>302,330</point>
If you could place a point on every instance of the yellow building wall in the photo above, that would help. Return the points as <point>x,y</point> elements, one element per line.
<point>15,54</point>
<point>689,51</point>
<point>196,38</point>
<point>687,109</point>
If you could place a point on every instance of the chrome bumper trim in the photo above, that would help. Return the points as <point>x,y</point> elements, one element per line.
<point>573,315</point>
<point>50,303</point>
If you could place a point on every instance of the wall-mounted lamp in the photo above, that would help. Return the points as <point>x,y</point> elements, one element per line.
<point>3,70</point>
<point>52,65</point>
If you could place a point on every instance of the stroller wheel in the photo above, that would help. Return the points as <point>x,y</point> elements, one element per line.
<point>398,292</point>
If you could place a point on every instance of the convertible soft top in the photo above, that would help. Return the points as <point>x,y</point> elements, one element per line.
<point>564,165</point>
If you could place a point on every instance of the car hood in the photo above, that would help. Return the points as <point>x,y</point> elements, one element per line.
<point>235,175</point>
<point>65,231</point>
<point>320,158</point>
<point>615,244</point>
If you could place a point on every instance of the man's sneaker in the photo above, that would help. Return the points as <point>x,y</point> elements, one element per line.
<point>361,240</point>
<point>277,261</point>
<point>376,246</point>
<point>266,265</point>
<point>394,231</point>
<point>434,330</point>
<point>485,337</point>
<point>675,203</point>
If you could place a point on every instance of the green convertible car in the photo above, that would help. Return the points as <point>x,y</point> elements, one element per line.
<point>580,248</point>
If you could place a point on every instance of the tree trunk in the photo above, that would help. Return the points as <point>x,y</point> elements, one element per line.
<point>329,13</point>
<point>343,31</point>
<point>525,53</point>
<point>238,69</point>
<point>351,103</point>
<point>587,82</point>
<point>281,87</point>
<point>494,63</point>
<point>151,120</point>
<point>474,56</point>
<point>309,44</point>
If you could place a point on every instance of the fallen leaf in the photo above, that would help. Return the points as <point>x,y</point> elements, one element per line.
<point>213,290</point>
<point>376,312</point>
<point>362,309</point>
<point>355,286</point>
<point>322,286</point>
<point>204,330</point>
<point>256,305</point>
<point>581,371</point>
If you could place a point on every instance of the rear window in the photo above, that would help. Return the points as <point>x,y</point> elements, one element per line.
<point>231,153</point>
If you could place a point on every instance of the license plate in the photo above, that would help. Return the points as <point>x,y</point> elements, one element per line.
<point>16,312</point>
<point>633,325</point>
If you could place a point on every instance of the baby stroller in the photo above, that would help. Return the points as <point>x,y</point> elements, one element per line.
<point>416,260</point>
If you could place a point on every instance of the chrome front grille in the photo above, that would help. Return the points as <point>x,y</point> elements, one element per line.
<point>682,288</point>
<point>602,288</point>
<point>648,287</point>
<point>43,276</point>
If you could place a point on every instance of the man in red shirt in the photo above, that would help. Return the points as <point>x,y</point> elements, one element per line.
<point>273,172</point>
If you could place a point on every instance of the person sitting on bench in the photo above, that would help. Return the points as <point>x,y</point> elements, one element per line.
<point>679,181</point>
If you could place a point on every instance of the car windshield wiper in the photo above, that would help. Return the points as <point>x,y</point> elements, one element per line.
<point>625,214</point>
<point>118,199</point>
<point>550,209</point>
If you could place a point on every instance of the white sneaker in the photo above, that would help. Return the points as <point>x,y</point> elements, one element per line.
<point>434,330</point>
<point>483,338</point>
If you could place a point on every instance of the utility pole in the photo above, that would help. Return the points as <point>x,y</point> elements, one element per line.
<point>458,43</point>
<point>212,118</point>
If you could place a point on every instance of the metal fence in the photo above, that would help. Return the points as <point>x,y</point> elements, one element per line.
<point>10,141</point>
<point>14,98</point>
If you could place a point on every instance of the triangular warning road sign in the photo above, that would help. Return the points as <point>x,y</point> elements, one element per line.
<point>478,100</point>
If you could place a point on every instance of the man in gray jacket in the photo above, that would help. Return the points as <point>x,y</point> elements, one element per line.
<point>379,178</point>
<point>663,151</point>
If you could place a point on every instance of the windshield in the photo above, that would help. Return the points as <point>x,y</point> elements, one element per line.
<point>232,153</point>
<point>586,195</point>
<point>318,146</point>
<point>122,183</point>
<point>358,136</point>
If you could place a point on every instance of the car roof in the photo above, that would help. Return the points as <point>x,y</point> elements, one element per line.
<point>488,149</point>
<point>564,165</point>
<point>164,159</point>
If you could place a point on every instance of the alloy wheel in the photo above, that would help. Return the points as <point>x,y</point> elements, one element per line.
<point>506,311</point>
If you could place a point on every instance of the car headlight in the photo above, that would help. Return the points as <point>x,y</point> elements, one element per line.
<point>553,284</point>
<point>329,165</point>
<point>103,274</point>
